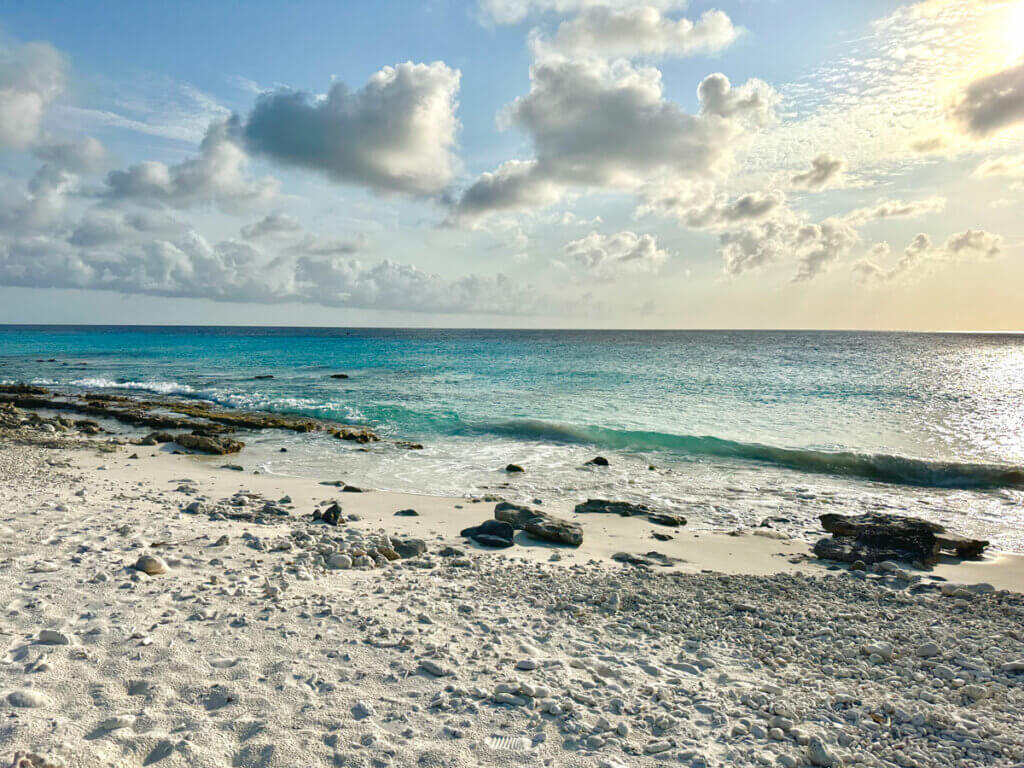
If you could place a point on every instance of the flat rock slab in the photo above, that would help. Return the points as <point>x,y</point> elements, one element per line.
<point>540,524</point>
<point>874,536</point>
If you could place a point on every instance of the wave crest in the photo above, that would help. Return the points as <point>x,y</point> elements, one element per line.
<point>882,467</point>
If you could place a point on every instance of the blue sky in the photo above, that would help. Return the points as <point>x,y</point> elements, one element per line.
<point>514,163</point>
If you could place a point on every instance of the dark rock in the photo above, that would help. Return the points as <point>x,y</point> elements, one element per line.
<point>490,528</point>
<point>262,377</point>
<point>662,536</point>
<point>666,518</point>
<point>408,446</point>
<point>332,515</point>
<point>409,547</point>
<point>556,530</point>
<point>209,444</point>
<point>539,524</point>
<point>597,461</point>
<point>451,552</point>
<point>160,437</point>
<point>355,434</point>
<point>921,539</point>
<point>488,540</point>
<point>233,467</point>
<point>514,468</point>
<point>284,450</point>
<point>603,506</point>
<point>351,489</point>
<point>335,483</point>
<point>407,513</point>
<point>649,559</point>
<point>339,375</point>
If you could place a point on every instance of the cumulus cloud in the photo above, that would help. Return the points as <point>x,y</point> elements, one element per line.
<point>100,227</point>
<point>514,11</point>
<point>891,209</point>
<point>608,32</point>
<point>825,171</point>
<point>608,256</point>
<point>31,76</point>
<point>188,266</point>
<point>698,205</point>
<point>992,103</point>
<point>40,202</point>
<point>272,225</point>
<point>921,252</point>
<point>605,125</point>
<point>217,175</point>
<point>396,134</point>
<point>814,246</point>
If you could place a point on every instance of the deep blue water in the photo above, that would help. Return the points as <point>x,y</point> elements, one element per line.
<point>839,413</point>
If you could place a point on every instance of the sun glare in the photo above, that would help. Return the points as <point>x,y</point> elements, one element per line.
<point>1014,30</point>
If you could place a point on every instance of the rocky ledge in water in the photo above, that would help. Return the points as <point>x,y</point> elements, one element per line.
<point>628,509</point>
<point>165,413</point>
<point>875,537</point>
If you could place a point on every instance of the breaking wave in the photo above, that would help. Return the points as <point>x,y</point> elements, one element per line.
<point>882,467</point>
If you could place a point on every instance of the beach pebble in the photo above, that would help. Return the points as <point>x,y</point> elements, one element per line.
<point>819,754</point>
<point>151,565</point>
<point>53,637</point>
<point>362,710</point>
<point>927,650</point>
<point>339,562</point>
<point>434,668</point>
<point>119,721</point>
<point>527,664</point>
<point>27,698</point>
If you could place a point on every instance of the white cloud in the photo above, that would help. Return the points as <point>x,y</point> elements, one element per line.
<point>216,175</point>
<point>606,32</point>
<point>921,252</point>
<point>272,225</point>
<point>992,103</point>
<point>31,76</point>
<point>601,125</point>
<point>825,171</point>
<point>1008,165</point>
<point>188,266</point>
<point>892,209</point>
<point>396,134</point>
<point>514,11</point>
<point>815,247</point>
<point>698,205</point>
<point>608,256</point>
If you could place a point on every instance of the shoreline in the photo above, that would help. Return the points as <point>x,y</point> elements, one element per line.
<point>256,636</point>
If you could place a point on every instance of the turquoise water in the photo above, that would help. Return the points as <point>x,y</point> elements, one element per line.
<point>748,422</point>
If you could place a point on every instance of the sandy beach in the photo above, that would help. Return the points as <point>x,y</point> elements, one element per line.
<point>260,638</point>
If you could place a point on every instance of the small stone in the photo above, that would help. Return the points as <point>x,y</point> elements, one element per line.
<point>514,468</point>
<point>339,562</point>
<point>435,669</point>
<point>151,565</point>
<point>819,754</point>
<point>657,746</point>
<point>53,637</point>
<point>362,710</point>
<point>119,721</point>
<point>27,698</point>
<point>927,650</point>
<point>527,665</point>
<point>407,513</point>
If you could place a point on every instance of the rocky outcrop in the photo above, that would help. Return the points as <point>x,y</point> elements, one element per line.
<point>603,506</point>
<point>514,468</point>
<point>875,537</point>
<point>539,524</point>
<point>961,546</point>
<point>209,444</point>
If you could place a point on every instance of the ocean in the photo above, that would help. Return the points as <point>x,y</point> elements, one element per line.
<point>731,428</point>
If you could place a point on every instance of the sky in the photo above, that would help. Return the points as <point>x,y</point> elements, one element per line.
<point>514,163</point>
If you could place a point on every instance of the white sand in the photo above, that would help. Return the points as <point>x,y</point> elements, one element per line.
<point>248,657</point>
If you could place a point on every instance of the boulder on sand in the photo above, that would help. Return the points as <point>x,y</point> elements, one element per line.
<point>540,524</point>
<point>209,444</point>
<point>961,546</point>
<point>874,537</point>
<point>491,533</point>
